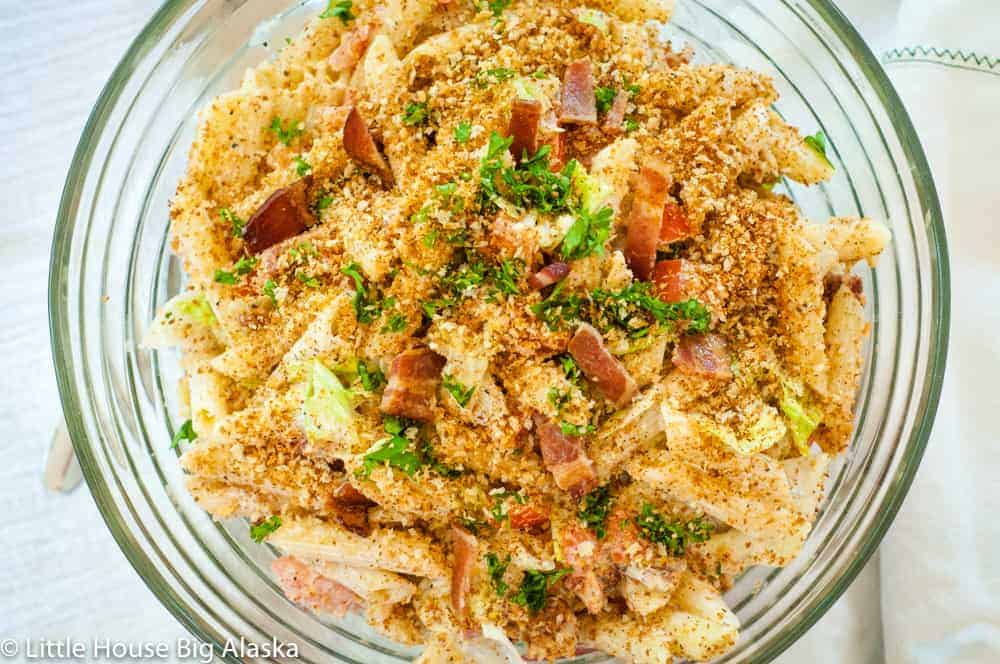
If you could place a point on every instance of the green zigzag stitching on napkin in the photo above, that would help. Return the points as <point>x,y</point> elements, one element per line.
<point>945,56</point>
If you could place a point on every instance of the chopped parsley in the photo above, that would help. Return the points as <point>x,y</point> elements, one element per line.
<point>302,252</point>
<point>594,510</point>
<point>817,142</point>
<point>308,280</point>
<point>430,239</point>
<point>463,132</point>
<point>460,393</point>
<point>570,429</point>
<point>260,531</point>
<point>558,398</point>
<point>324,201</point>
<point>635,309</point>
<point>286,131</point>
<point>186,432</point>
<point>396,323</point>
<point>587,235</point>
<point>490,167</point>
<point>496,570</point>
<point>631,125</point>
<point>571,369</point>
<point>507,274</point>
<point>241,268</point>
<point>367,305</point>
<point>238,225</point>
<point>605,97</point>
<point>535,585</point>
<point>371,379</point>
<point>339,9</point>
<point>498,7</point>
<point>531,184</point>
<point>416,113</point>
<point>557,308</point>
<point>674,535</point>
<point>302,167</point>
<point>483,79</point>
<point>395,450</point>
<point>269,287</point>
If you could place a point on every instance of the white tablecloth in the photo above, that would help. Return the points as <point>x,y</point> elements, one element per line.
<point>63,574</point>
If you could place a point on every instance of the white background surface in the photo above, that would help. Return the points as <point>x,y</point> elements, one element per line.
<point>63,575</point>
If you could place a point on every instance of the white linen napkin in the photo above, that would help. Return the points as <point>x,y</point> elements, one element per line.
<point>937,574</point>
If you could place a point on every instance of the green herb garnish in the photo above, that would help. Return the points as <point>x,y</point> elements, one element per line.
<point>463,132</point>
<point>241,268</point>
<point>339,9</point>
<point>259,532</point>
<point>186,432</point>
<point>286,131</point>
<point>535,585</point>
<point>396,323</point>
<point>416,113</point>
<point>587,235</point>
<point>817,142</point>
<point>605,97</point>
<point>674,535</point>
<point>269,287</point>
<point>460,393</point>
<point>238,225</point>
<point>496,570</point>
<point>570,429</point>
<point>594,510</point>
<point>371,379</point>
<point>302,167</point>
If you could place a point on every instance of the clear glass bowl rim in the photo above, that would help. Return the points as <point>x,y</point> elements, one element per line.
<point>868,63</point>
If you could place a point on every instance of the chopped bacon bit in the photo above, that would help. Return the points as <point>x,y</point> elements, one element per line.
<point>622,544</point>
<point>525,117</point>
<point>352,48</point>
<point>703,355</point>
<point>579,105</point>
<point>676,225</point>
<point>616,114</point>
<point>413,383</point>
<point>550,274</point>
<point>557,157</point>
<point>600,366</point>
<point>580,548</point>
<point>350,509</point>
<point>650,194</point>
<point>528,518</point>
<point>833,281</point>
<point>360,146</point>
<point>466,550</point>
<point>672,280</point>
<point>304,585</point>
<point>565,458</point>
<point>285,214</point>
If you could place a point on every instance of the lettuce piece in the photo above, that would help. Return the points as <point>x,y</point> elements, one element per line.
<point>759,436</point>
<point>183,318</point>
<point>593,191</point>
<point>594,17</point>
<point>802,419</point>
<point>327,409</point>
<point>526,89</point>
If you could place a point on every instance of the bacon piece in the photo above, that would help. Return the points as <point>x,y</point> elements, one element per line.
<point>676,225</point>
<point>283,215</point>
<point>552,273</point>
<point>616,114</point>
<point>600,366</point>
<point>528,518</point>
<point>579,105</point>
<point>304,585</point>
<point>703,355</point>
<point>350,509</point>
<point>649,195</point>
<point>622,544</point>
<point>525,118</point>
<point>557,157</point>
<point>579,549</point>
<point>672,280</point>
<point>465,548</point>
<point>352,48</point>
<point>360,146</point>
<point>413,383</point>
<point>565,458</point>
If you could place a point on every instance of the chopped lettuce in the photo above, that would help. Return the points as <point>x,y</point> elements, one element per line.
<point>327,409</point>
<point>593,191</point>
<point>594,17</point>
<point>801,418</point>
<point>764,433</point>
<point>526,88</point>
<point>182,318</point>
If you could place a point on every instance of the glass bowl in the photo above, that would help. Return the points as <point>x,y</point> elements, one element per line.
<point>111,268</point>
